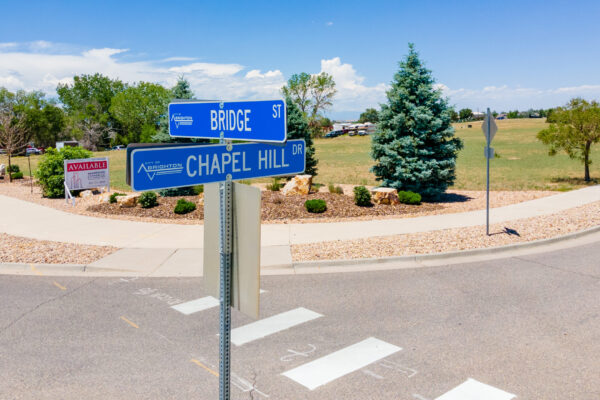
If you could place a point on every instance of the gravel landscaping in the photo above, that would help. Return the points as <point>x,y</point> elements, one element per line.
<point>523,230</point>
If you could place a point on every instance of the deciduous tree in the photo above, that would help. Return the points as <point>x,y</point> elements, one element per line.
<point>370,115</point>
<point>13,132</point>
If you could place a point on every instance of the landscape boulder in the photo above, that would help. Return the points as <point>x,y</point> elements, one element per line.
<point>128,201</point>
<point>86,194</point>
<point>201,200</point>
<point>104,197</point>
<point>300,184</point>
<point>382,195</point>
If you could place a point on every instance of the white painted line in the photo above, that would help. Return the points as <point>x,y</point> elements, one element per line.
<point>194,306</point>
<point>271,325</point>
<point>335,365</point>
<point>474,390</point>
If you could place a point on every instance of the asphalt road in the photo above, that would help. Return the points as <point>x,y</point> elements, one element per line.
<point>528,326</point>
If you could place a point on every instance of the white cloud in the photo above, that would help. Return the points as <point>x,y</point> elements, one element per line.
<point>329,23</point>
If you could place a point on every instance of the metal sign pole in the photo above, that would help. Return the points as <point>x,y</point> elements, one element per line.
<point>226,200</point>
<point>487,158</point>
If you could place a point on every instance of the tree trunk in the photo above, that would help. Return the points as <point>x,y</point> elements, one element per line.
<point>9,168</point>
<point>586,160</point>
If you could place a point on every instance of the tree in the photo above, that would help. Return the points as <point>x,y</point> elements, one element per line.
<point>298,89</point>
<point>453,115</point>
<point>414,147</point>
<point>138,110</point>
<point>370,115</point>
<point>465,114</point>
<point>13,132</point>
<point>574,129</point>
<point>297,128</point>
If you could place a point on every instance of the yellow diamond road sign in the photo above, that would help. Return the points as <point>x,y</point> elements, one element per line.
<point>493,127</point>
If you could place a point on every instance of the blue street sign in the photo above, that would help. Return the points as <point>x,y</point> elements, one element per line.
<point>171,167</point>
<point>258,121</point>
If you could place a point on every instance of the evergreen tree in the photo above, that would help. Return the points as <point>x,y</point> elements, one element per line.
<point>414,147</point>
<point>181,91</point>
<point>297,128</point>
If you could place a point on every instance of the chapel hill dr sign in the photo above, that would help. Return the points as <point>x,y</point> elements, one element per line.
<point>260,121</point>
<point>170,167</point>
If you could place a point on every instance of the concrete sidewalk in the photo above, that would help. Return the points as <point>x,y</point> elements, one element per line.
<point>34,221</point>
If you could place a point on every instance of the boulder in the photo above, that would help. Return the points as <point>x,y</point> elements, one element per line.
<point>86,194</point>
<point>128,201</point>
<point>382,195</point>
<point>201,200</point>
<point>300,184</point>
<point>104,197</point>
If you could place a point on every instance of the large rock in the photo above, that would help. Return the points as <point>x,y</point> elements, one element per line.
<point>384,196</point>
<point>300,184</point>
<point>86,194</point>
<point>104,197</point>
<point>201,200</point>
<point>128,201</point>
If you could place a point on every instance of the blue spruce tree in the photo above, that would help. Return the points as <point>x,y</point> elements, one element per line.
<point>414,147</point>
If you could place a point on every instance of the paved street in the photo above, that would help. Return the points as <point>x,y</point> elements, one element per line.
<point>526,326</point>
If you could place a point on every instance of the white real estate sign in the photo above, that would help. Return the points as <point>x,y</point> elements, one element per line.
<point>87,173</point>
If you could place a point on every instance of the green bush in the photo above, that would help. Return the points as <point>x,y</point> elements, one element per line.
<point>16,175</point>
<point>113,197</point>
<point>275,186</point>
<point>362,196</point>
<point>50,172</point>
<point>183,206</point>
<point>409,198</point>
<point>335,189</point>
<point>315,206</point>
<point>13,168</point>
<point>198,189</point>
<point>148,200</point>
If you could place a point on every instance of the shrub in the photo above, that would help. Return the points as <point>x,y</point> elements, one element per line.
<point>148,200</point>
<point>113,197</point>
<point>50,172</point>
<point>362,196</point>
<point>198,189</point>
<point>182,191</point>
<point>13,168</point>
<point>16,175</point>
<point>409,198</point>
<point>183,206</point>
<point>315,206</point>
<point>335,189</point>
<point>275,186</point>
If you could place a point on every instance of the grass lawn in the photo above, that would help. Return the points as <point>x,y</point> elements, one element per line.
<point>523,164</point>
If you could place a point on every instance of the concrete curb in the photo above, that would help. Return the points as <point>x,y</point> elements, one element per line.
<point>447,256</point>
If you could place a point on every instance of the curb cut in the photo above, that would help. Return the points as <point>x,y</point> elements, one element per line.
<point>419,258</point>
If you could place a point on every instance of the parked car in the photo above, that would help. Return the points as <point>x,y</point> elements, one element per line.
<point>32,150</point>
<point>333,134</point>
<point>362,133</point>
<point>353,133</point>
<point>119,147</point>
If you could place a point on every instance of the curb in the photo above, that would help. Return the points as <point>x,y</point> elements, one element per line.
<point>419,258</point>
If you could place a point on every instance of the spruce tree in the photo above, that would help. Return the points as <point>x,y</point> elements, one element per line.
<point>414,147</point>
<point>297,128</point>
<point>181,91</point>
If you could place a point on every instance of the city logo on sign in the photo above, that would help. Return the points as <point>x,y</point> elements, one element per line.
<point>180,120</point>
<point>154,168</point>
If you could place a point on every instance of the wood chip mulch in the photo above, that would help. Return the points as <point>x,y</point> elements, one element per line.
<point>164,210</point>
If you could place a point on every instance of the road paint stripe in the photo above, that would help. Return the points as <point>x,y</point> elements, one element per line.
<point>129,322</point>
<point>474,390</point>
<point>268,326</point>
<point>201,304</point>
<point>58,285</point>
<point>197,305</point>
<point>35,270</point>
<point>198,363</point>
<point>335,365</point>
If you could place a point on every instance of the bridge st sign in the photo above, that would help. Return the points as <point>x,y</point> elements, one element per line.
<point>169,167</point>
<point>258,121</point>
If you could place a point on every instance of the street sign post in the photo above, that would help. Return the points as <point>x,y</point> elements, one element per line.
<point>489,129</point>
<point>257,121</point>
<point>169,167</point>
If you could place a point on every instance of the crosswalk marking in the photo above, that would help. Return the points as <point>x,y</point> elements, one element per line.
<point>335,365</point>
<point>204,303</point>
<point>194,306</point>
<point>474,390</point>
<point>268,326</point>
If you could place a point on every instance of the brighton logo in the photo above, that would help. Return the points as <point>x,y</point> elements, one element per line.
<point>154,168</point>
<point>180,120</point>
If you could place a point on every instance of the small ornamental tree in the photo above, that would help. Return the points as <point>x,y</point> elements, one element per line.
<point>414,147</point>
<point>297,128</point>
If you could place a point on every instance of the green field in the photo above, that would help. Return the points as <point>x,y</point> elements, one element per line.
<point>523,164</point>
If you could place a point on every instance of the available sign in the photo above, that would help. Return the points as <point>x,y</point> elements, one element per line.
<point>259,121</point>
<point>87,173</point>
<point>170,167</point>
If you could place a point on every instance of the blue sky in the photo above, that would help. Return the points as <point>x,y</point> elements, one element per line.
<point>504,55</point>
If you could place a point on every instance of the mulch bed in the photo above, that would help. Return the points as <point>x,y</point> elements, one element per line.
<point>275,207</point>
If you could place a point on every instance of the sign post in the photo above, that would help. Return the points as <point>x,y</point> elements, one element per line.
<point>161,167</point>
<point>86,173</point>
<point>489,129</point>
